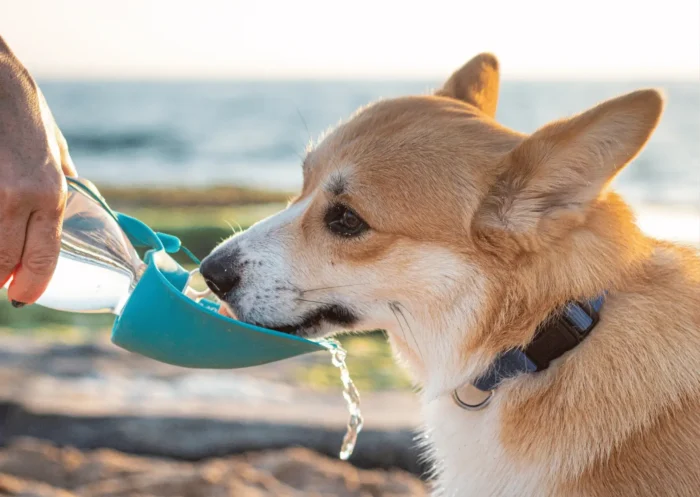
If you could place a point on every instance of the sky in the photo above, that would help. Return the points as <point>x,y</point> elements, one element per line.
<point>200,39</point>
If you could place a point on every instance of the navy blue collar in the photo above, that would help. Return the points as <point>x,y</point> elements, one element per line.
<point>553,338</point>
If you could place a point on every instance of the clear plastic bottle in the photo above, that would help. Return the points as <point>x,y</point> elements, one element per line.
<point>98,267</point>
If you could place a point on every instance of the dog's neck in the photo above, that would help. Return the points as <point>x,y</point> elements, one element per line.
<point>460,344</point>
<point>561,332</point>
<point>456,343</point>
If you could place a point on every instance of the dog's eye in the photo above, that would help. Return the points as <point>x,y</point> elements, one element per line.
<point>344,221</point>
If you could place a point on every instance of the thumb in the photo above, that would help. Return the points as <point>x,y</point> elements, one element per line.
<point>66,161</point>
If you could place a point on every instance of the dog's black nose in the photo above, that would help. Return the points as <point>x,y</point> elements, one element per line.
<point>220,273</point>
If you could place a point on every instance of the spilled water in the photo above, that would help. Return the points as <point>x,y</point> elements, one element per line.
<point>351,395</point>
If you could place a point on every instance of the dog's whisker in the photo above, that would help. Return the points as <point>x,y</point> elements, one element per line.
<point>405,309</point>
<point>329,288</point>
<point>235,231</point>
<point>394,306</point>
<point>396,316</point>
<point>216,287</point>
<point>306,126</point>
<point>415,340</point>
<point>315,301</point>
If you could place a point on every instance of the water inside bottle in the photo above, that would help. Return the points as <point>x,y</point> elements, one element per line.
<point>97,266</point>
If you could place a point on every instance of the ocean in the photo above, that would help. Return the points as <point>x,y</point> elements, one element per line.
<point>254,133</point>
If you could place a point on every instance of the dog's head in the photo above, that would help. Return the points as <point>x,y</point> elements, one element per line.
<point>419,213</point>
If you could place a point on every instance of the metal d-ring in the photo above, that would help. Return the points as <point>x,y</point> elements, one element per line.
<point>471,407</point>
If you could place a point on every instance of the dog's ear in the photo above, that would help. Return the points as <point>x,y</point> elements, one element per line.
<point>475,83</point>
<point>554,175</point>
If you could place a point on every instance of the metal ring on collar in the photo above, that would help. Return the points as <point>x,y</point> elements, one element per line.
<point>471,407</point>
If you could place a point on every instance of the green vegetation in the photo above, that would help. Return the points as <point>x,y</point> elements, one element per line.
<point>217,196</point>
<point>201,229</point>
<point>369,360</point>
<point>202,219</point>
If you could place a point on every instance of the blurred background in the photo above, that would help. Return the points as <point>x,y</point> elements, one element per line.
<point>193,117</point>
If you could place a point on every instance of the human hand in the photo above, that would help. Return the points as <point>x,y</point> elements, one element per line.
<point>34,161</point>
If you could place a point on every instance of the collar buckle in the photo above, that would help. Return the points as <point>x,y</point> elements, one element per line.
<point>562,334</point>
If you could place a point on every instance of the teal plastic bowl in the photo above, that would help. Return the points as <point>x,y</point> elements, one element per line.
<point>160,322</point>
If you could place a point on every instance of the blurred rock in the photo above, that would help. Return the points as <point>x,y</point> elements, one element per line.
<point>98,379</point>
<point>37,469</point>
<point>200,438</point>
<point>199,433</point>
<point>94,395</point>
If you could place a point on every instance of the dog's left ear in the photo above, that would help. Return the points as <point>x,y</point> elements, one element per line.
<point>475,83</point>
<point>553,176</point>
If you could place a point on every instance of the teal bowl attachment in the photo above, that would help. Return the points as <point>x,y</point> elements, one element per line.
<point>159,321</point>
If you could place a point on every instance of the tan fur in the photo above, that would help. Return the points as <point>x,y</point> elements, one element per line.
<point>481,233</point>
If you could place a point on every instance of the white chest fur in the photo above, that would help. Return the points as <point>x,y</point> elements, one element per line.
<point>469,456</point>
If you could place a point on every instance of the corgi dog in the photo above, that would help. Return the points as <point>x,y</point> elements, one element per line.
<point>556,346</point>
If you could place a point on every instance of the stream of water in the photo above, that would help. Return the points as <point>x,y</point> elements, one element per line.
<point>351,395</point>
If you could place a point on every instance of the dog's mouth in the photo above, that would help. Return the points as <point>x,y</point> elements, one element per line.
<point>312,322</point>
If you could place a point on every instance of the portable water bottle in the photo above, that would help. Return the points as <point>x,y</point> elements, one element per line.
<point>158,313</point>
<point>98,265</point>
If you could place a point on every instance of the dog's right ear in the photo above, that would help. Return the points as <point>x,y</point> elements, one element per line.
<point>475,83</point>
